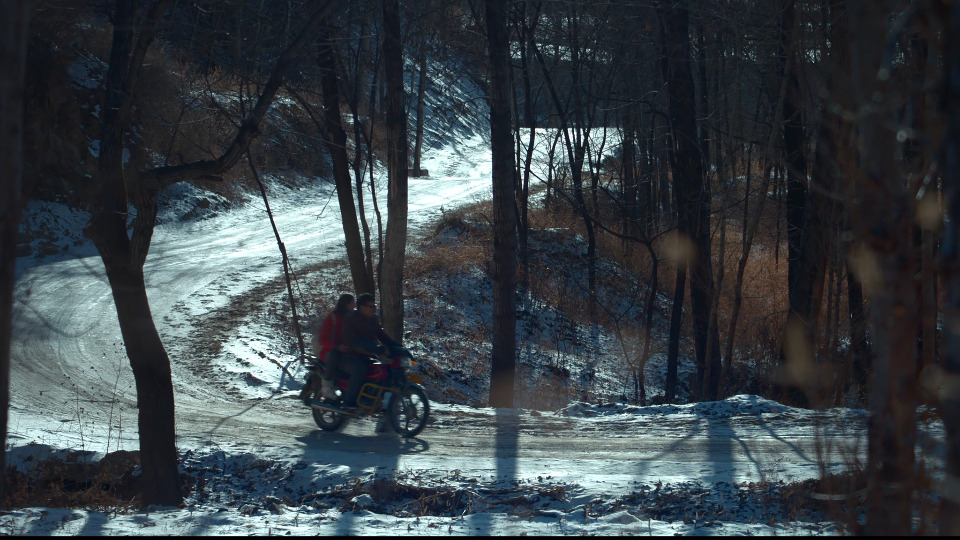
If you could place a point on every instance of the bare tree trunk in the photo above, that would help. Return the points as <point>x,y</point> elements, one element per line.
<point>630,184</point>
<point>503,363</point>
<point>882,213</point>
<point>369,137</point>
<point>362,101</point>
<point>283,257</point>
<point>673,344</point>
<point>13,49</point>
<point>421,93</point>
<point>804,254</point>
<point>950,392</point>
<point>123,255</point>
<point>750,225</point>
<point>336,140</point>
<point>576,136</point>
<point>693,193</point>
<point>527,26</point>
<point>860,364</point>
<point>835,136</point>
<point>123,259</point>
<point>391,272</point>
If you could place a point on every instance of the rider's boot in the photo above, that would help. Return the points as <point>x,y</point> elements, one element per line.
<point>328,389</point>
<point>307,391</point>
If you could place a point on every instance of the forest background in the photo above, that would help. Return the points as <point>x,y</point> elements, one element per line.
<point>784,171</point>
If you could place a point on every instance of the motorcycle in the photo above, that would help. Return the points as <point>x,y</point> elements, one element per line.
<point>388,389</point>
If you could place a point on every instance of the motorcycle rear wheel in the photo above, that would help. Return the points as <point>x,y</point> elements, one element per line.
<point>408,410</point>
<point>327,420</point>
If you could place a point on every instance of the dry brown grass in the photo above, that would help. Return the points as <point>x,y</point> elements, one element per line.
<point>72,483</point>
<point>457,244</point>
<point>555,280</point>
<point>764,289</point>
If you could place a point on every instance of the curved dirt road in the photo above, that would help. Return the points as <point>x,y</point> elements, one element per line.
<point>70,376</point>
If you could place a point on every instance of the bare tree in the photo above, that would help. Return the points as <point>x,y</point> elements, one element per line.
<point>503,364</point>
<point>526,18</point>
<point>573,37</point>
<point>391,270</point>
<point>882,213</point>
<point>123,254</point>
<point>692,192</point>
<point>336,140</point>
<point>13,47</point>
<point>361,62</point>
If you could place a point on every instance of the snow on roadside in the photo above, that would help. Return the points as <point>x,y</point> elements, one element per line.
<point>272,491</point>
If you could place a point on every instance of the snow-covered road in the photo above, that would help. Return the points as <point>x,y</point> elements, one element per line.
<point>68,361</point>
<point>72,388</point>
<point>70,373</point>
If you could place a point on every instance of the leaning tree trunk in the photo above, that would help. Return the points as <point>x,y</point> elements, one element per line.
<point>13,48</point>
<point>151,371</point>
<point>124,253</point>
<point>391,270</point>
<point>336,140</point>
<point>123,257</point>
<point>503,364</point>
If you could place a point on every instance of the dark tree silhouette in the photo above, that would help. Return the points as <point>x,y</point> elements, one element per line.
<point>391,270</point>
<point>503,363</point>
<point>13,50</point>
<point>123,254</point>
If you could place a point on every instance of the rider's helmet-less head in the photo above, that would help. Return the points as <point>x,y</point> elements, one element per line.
<point>366,299</point>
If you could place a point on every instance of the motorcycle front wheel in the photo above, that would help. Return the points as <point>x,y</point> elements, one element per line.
<point>408,410</point>
<point>327,420</point>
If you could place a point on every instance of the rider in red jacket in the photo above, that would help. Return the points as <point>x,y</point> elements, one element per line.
<point>328,342</point>
<point>331,333</point>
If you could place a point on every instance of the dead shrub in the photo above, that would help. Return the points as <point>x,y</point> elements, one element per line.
<point>456,244</point>
<point>109,483</point>
<point>421,500</point>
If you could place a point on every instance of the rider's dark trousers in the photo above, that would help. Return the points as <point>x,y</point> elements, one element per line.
<point>356,367</point>
<point>332,365</point>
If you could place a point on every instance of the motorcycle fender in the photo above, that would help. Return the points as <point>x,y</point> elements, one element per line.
<point>414,378</point>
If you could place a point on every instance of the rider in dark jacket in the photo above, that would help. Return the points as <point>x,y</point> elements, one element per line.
<point>364,335</point>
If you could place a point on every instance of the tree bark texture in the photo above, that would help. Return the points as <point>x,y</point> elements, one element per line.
<point>123,259</point>
<point>336,140</point>
<point>503,363</point>
<point>949,395</point>
<point>882,214</point>
<point>13,49</point>
<point>394,252</point>
<point>124,256</point>
<point>692,193</point>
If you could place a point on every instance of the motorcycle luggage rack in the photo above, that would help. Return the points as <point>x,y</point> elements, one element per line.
<point>368,400</point>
